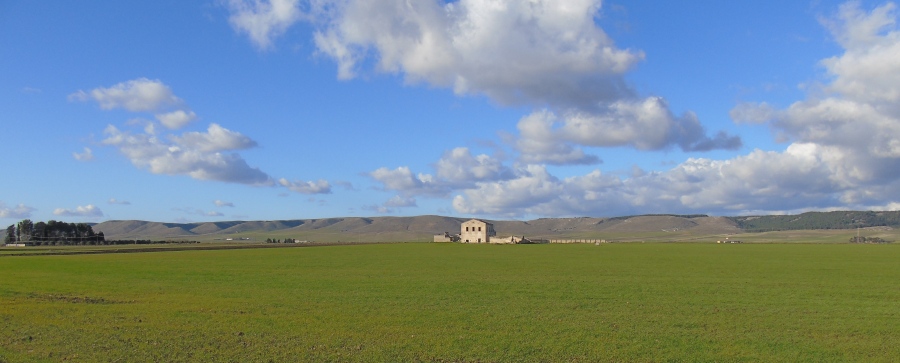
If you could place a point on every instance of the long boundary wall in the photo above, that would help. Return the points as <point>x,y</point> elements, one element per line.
<point>578,241</point>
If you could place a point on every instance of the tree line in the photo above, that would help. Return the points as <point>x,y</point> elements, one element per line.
<point>286,240</point>
<point>52,233</point>
<point>818,220</point>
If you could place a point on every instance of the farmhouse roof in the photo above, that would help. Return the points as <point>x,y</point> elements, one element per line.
<point>479,220</point>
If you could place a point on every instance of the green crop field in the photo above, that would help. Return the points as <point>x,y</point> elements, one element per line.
<point>457,303</point>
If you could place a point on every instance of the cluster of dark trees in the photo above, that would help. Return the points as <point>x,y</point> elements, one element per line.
<point>860,239</point>
<point>52,233</point>
<point>145,242</point>
<point>818,220</point>
<point>659,215</point>
<point>286,240</point>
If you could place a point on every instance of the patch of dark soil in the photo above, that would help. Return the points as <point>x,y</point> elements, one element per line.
<point>73,299</point>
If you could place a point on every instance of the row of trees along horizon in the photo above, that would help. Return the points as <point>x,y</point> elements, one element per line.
<point>53,232</point>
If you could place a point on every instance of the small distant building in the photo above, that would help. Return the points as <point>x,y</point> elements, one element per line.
<point>446,237</point>
<point>513,240</point>
<point>476,231</point>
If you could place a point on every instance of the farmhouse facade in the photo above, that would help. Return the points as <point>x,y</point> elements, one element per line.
<point>476,231</point>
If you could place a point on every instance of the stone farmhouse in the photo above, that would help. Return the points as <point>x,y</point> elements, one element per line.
<point>477,231</point>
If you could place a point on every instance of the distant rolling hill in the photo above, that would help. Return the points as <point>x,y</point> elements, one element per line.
<point>422,228</point>
<point>419,228</point>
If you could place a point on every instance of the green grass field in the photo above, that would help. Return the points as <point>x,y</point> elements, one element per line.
<point>457,303</point>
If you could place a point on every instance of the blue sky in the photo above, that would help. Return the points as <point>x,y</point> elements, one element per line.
<point>260,110</point>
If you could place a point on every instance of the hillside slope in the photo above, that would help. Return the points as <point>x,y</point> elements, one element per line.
<point>418,228</point>
<point>818,220</point>
<point>422,228</point>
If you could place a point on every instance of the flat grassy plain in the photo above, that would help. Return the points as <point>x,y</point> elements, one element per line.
<point>457,303</point>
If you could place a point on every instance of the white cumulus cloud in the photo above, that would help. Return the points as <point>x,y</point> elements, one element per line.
<point>648,124</point>
<point>138,95</point>
<point>400,202</point>
<point>222,203</point>
<point>392,205</point>
<point>844,151</point>
<point>263,20</point>
<point>543,53</point>
<point>855,124</point>
<point>459,166</point>
<point>19,211</point>
<point>320,186</point>
<point>86,155</point>
<point>141,95</point>
<point>512,51</point>
<point>844,137</point>
<point>198,155</point>
<point>199,212</point>
<point>81,211</point>
<point>176,119</point>
<point>204,155</point>
<point>761,180</point>
<point>402,179</point>
<point>216,138</point>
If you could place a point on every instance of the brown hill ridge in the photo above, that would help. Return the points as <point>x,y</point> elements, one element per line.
<point>418,228</point>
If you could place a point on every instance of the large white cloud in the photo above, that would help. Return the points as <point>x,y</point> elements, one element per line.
<point>647,124</point>
<point>539,143</point>
<point>855,117</point>
<point>222,203</point>
<point>263,20</point>
<point>534,186</point>
<point>176,119</point>
<point>199,212</point>
<point>204,155</point>
<point>392,205</point>
<point>460,167</point>
<point>320,186</point>
<point>81,211</point>
<point>457,169</point>
<point>543,53</point>
<point>199,155</point>
<point>402,179</point>
<point>115,201</point>
<point>137,95</point>
<point>536,52</point>
<point>845,150</point>
<point>86,155</point>
<point>772,181</point>
<point>141,95</point>
<point>20,211</point>
<point>216,138</point>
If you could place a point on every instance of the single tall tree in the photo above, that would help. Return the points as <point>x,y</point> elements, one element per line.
<point>24,230</point>
<point>11,234</point>
<point>40,231</point>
